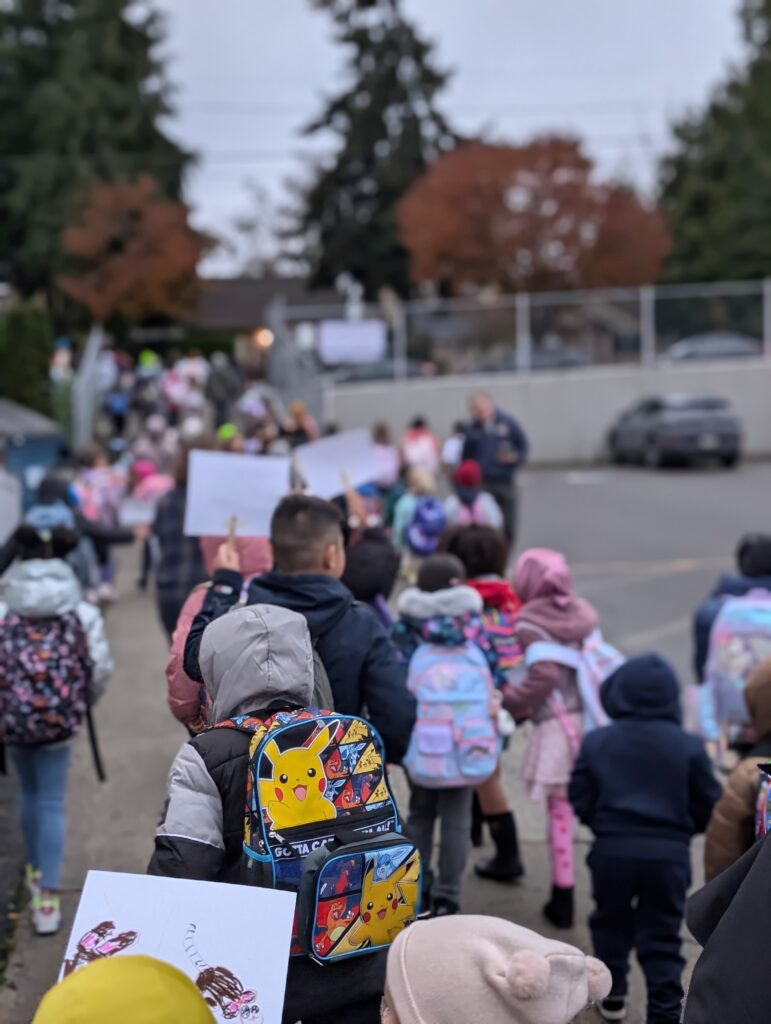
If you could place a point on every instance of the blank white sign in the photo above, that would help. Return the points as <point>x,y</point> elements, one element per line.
<point>222,485</point>
<point>231,940</point>
<point>352,341</point>
<point>327,466</point>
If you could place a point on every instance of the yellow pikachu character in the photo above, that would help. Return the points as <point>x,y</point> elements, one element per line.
<point>295,793</point>
<point>386,907</point>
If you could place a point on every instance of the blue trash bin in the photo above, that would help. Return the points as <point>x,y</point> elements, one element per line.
<point>32,444</point>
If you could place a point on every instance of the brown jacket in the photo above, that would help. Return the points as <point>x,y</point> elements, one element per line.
<point>731,831</point>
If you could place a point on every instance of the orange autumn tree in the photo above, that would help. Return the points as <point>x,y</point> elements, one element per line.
<point>133,252</point>
<point>527,218</point>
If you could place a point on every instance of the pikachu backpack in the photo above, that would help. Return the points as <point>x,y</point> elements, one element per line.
<point>320,820</point>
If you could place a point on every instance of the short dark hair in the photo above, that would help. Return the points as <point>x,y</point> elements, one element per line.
<point>753,556</point>
<point>482,549</point>
<point>301,528</point>
<point>56,543</point>
<point>439,572</point>
<point>418,423</point>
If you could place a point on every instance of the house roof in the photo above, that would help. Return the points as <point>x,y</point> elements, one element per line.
<point>16,420</point>
<point>242,303</point>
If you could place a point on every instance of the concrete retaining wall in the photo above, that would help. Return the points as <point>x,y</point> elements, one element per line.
<point>566,415</point>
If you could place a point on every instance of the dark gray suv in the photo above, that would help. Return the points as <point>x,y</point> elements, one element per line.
<point>677,428</point>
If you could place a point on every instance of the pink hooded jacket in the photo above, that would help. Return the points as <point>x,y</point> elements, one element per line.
<point>550,611</point>
<point>184,693</point>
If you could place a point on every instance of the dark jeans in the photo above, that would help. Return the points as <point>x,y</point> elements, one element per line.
<point>453,809</point>
<point>640,905</point>
<point>507,498</point>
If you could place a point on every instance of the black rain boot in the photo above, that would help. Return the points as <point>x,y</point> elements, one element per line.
<point>559,910</point>
<point>506,865</point>
<point>477,823</point>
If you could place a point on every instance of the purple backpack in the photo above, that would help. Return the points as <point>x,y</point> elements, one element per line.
<point>427,526</point>
<point>45,672</point>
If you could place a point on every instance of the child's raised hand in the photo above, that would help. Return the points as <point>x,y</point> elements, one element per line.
<point>227,557</point>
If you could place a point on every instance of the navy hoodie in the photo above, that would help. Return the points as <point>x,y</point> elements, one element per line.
<point>642,784</point>
<point>356,651</point>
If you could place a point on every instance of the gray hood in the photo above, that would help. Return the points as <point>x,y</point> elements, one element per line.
<point>453,602</point>
<point>41,588</point>
<point>254,656</point>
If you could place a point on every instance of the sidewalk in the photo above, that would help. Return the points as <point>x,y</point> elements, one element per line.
<point>112,826</point>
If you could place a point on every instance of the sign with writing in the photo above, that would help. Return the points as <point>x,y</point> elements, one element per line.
<point>231,940</point>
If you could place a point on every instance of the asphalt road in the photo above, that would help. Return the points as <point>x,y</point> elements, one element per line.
<point>645,548</point>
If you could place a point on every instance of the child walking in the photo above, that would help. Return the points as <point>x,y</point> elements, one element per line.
<point>455,744</point>
<point>54,663</point>
<point>644,786</point>
<point>484,552</point>
<point>549,695</point>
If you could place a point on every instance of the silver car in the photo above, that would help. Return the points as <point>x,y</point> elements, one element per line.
<point>677,428</point>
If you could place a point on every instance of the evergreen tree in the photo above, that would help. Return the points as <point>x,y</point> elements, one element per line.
<point>388,131</point>
<point>82,95</point>
<point>716,186</point>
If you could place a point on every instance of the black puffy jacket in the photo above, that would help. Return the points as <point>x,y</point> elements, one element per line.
<point>359,656</point>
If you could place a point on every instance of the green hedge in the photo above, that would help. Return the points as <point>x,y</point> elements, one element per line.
<point>26,346</point>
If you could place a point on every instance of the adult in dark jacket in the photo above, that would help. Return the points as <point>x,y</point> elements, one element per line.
<point>179,565</point>
<point>753,561</point>
<point>499,445</point>
<point>356,651</point>
<point>259,657</point>
<point>731,983</point>
<point>644,787</point>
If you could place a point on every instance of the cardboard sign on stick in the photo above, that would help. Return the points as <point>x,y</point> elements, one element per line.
<point>338,463</point>
<point>223,487</point>
<point>231,940</point>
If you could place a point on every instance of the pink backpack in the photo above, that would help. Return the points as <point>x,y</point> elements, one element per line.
<point>471,516</point>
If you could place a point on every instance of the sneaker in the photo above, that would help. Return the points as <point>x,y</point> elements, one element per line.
<point>613,1008</point>
<point>32,878</point>
<point>46,915</point>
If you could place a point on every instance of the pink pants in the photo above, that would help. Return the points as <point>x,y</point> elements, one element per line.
<point>560,838</point>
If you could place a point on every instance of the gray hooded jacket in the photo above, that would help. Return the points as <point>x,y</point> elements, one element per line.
<point>254,659</point>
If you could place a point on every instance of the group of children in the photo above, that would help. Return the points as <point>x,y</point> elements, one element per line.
<point>275,632</point>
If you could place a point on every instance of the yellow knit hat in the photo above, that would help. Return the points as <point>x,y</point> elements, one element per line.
<point>124,990</point>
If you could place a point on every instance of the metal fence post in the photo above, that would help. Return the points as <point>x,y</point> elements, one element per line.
<point>648,326</point>
<point>524,337</point>
<point>767,318</point>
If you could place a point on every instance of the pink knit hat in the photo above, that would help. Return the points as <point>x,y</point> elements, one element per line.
<point>488,970</point>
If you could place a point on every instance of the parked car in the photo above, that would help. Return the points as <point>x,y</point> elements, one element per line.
<point>677,428</point>
<point>714,345</point>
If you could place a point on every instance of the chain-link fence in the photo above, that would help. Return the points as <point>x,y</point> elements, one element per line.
<point>548,331</point>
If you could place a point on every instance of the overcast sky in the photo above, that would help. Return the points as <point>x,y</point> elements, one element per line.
<point>250,72</point>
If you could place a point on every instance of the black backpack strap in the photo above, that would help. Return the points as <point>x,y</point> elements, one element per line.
<point>94,743</point>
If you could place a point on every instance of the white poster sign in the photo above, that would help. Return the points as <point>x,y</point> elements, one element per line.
<point>334,463</point>
<point>136,512</point>
<point>223,486</point>
<point>231,940</point>
<point>352,341</point>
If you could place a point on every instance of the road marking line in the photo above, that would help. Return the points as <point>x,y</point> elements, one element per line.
<point>651,637</point>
